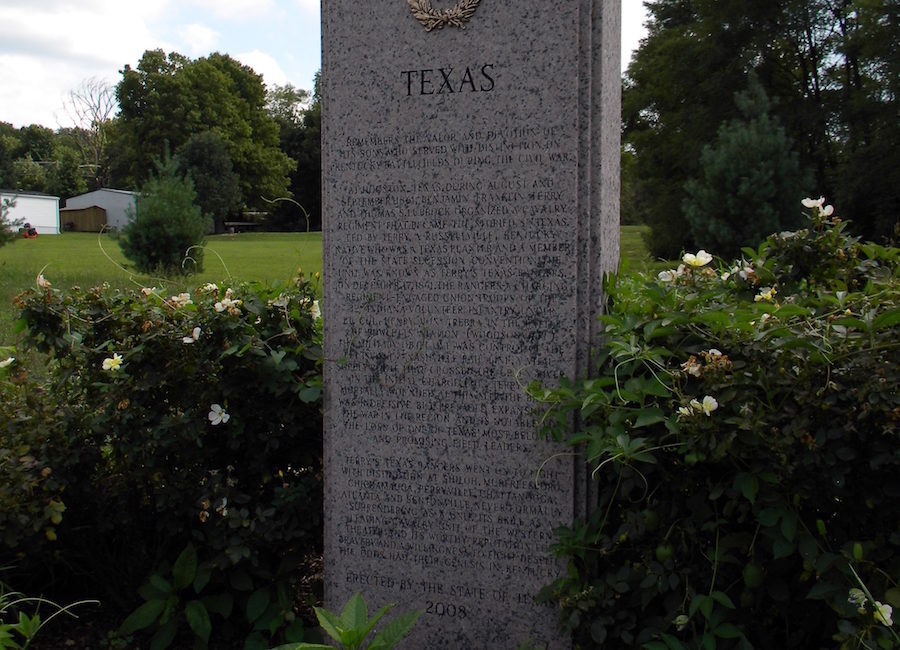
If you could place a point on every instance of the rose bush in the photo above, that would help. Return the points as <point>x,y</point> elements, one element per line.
<point>743,429</point>
<point>178,421</point>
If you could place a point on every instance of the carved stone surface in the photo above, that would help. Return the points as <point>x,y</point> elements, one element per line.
<point>470,192</point>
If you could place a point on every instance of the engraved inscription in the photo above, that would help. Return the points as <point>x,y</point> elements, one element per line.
<point>480,263</point>
<point>447,81</point>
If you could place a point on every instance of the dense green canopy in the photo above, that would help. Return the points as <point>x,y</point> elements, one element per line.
<point>169,98</point>
<point>831,69</point>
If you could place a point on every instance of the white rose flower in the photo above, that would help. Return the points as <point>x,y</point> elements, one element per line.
<point>702,258</point>
<point>217,415</point>
<point>709,405</point>
<point>883,614</point>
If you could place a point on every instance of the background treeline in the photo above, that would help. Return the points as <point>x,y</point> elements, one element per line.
<point>242,145</point>
<point>727,110</point>
<point>823,77</point>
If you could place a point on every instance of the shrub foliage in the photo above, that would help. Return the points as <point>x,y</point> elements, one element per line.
<point>167,228</point>
<point>749,181</point>
<point>179,441</point>
<point>743,428</point>
<point>8,228</point>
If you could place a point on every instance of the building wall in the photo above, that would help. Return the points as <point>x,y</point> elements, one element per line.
<point>116,203</point>
<point>92,219</point>
<point>40,210</point>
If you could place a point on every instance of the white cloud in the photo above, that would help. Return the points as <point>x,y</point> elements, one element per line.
<point>633,16</point>
<point>265,65</point>
<point>200,39</point>
<point>49,47</point>
<point>58,44</point>
<point>310,6</point>
<point>235,9</point>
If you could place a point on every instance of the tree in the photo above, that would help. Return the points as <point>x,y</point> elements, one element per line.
<point>91,108</point>
<point>167,99</point>
<point>9,144</point>
<point>167,225</point>
<point>677,85</point>
<point>868,73</point>
<point>37,142</point>
<point>829,67</point>
<point>65,178</point>
<point>300,130</point>
<point>8,228</point>
<point>28,175</point>
<point>750,184</point>
<point>286,104</point>
<point>205,159</point>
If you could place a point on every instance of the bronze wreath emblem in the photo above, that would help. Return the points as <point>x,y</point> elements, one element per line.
<point>432,18</point>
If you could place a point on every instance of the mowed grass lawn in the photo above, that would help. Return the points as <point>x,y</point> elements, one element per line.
<point>86,260</point>
<point>89,259</point>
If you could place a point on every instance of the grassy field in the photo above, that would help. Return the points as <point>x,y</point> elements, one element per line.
<point>89,259</point>
<point>633,248</point>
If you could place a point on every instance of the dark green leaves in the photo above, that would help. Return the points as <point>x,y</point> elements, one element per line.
<point>741,430</point>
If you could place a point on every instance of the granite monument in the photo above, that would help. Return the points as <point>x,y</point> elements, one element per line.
<point>470,190</point>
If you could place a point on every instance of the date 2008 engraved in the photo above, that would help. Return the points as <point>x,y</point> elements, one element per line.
<point>445,609</point>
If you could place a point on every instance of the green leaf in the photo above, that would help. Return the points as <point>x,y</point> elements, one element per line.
<point>716,319</point>
<point>149,592</point>
<point>648,416</point>
<point>295,631</point>
<point>220,604</point>
<point>257,603</point>
<point>807,546</point>
<point>201,579</point>
<point>354,614</point>
<point>330,623</point>
<point>887,319</point>
<point>198,619</point>
<point>28,626</point>
<point>789,526</point>
<point>850,322</point>
<point>255,641</point>
<point>892,596</point>
<point>143,617</point>
<point>363,632</point>
<point>747,485</point>
<point>161,584</point>
<point>787,311</point>
<point>240,580</point>
<point>164,636</point>
<point>394,631</point>
<point>782,548</point>
<point>768,517</point>
<point>310,394</point>
<point>185,568</point>
<point>824,590</point>
<point>696,601</point>
<point>727,631</point>
<point>722,598</point>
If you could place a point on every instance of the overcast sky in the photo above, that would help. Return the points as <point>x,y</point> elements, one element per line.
<point>49,47</point>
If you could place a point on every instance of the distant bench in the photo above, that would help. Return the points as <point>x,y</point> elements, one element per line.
<point>238,226</point>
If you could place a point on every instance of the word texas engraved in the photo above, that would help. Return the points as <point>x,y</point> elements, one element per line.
<point>432,18</point>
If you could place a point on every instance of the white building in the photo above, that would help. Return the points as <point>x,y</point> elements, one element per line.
<point>120,205</point>
<point>39,210</point>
